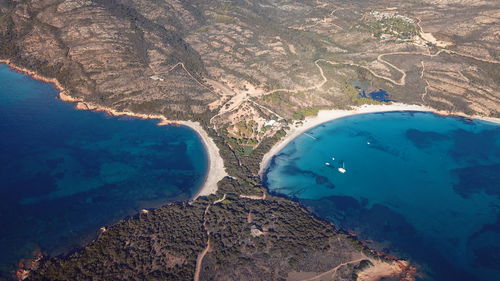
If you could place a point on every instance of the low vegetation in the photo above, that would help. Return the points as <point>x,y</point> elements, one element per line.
<point>355,98</point>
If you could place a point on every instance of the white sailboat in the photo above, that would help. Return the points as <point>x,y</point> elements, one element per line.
<point>342,169</point>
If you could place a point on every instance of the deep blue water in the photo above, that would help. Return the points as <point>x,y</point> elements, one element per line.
<point>380,95</point>
<point>64,173</point>
<point>418,185</point>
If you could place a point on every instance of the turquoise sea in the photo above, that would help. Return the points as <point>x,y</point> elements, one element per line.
<point>417,185</point>
<point>64,173</point>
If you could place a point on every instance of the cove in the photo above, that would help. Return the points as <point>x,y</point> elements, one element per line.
<point>64,173</point>
<point>417,185</point>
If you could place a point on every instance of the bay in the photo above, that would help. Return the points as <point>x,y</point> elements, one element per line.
<point>418,185</point>
<point>64,173</point>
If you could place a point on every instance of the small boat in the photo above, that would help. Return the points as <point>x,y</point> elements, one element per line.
<point>342,169</point>
<point>326,163</point>
<point>368,142</point>
<point>333,158</point>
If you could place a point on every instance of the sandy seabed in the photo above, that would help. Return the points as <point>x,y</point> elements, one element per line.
<point>216,170</point>
<point>329,115</point>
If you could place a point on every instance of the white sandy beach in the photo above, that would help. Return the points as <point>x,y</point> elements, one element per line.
<point>329,115</point>
<point>216,170</point>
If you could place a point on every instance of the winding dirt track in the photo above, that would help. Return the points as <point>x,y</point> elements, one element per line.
<point>254,197</point>
<point>238,99</point>
<point>332,271</point>
<point>199,260</point>
<point>455,52</point>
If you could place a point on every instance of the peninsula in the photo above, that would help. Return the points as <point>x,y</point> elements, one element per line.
<point>248,77</point>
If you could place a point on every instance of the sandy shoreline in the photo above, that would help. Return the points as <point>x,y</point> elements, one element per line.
<point>329,115</point>
<point>216,170</point>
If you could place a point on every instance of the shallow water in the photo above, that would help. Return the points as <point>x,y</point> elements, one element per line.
<point>417,185</point>
<point>65,173</point>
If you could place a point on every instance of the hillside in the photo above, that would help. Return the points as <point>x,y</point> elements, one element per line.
<point>234,66</point>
